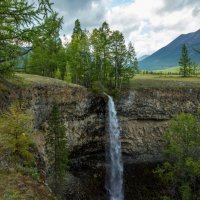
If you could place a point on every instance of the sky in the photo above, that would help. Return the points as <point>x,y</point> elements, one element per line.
<point>148,24</point>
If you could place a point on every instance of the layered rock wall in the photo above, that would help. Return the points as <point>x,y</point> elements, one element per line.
<point>144,116</point>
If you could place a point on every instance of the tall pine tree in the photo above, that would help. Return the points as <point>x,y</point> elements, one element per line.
<point>185,62</point>
<point>56,148</point>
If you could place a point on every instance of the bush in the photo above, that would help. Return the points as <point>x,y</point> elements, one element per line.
<point>182,151</point>
<point>29,171</point>
<point>15,129</point>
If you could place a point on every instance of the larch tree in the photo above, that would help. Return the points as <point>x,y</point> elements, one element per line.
<point>15,129</point>
<point>185,62</point>
<point>46,46</point>
<point>19,20</point>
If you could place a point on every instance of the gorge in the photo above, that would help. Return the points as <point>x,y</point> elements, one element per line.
<point>143,115</point>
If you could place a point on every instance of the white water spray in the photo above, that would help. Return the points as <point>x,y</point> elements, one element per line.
<point>114,157</point>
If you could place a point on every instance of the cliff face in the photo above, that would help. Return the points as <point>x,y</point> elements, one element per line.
<point>143,114</point>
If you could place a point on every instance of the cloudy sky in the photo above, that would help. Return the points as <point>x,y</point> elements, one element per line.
<point>149,24</point>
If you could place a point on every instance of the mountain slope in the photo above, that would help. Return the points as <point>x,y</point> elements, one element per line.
<point>143,57</point>
<point>169,55</point>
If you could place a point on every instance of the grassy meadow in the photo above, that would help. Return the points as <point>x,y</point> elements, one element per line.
<point>173,70</point>
<point>164,81</point>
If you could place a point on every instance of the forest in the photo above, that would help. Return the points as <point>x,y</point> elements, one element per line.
<point>31,36</point>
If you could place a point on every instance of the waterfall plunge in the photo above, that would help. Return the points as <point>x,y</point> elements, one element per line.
<point>114,157</point>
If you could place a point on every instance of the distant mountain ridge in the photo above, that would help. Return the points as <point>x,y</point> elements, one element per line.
<point>169,55</point>
<point>143,57</point>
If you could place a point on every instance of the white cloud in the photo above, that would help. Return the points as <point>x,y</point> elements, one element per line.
<point>90,13</point>
<point>171,5</point>
<point>149,29</point>
<point>149,24</point>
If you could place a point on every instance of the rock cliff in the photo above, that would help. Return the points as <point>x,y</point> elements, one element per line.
<point>144,115</point>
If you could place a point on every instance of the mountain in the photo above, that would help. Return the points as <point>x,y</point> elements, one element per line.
<point>142,57</point>
<point>169,55</point>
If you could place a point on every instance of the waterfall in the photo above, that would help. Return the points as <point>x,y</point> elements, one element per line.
<point>114,170</point>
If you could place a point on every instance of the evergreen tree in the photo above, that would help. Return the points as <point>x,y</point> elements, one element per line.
<point>185,62</point>
<point>77,31</point>
<point>15,129</point>
<point>19,20</point>
<point>45,47</point>
<point>56,148</point>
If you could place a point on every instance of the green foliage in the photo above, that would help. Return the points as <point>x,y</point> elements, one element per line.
<point>165,198</point>
<point>56,148</point>
<point>61,62</point>
<point>11,195</point>
<point>78,56</point>
<point>15,128</point>
<point>47,52</point>
<point>98,88</point>
<point>30,171</point>
<point>195,68</point>
<point>186,192</point>
<point>101,56</point>
<point>185,62</point>
<point>19,21</point>
<point>183,154</point>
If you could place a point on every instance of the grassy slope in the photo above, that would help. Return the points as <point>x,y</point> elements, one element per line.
<point>164,81</point>
<point>14,186</point>
<point>29,79</point>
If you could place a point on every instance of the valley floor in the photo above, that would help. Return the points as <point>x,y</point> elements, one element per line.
<point>164,81</point>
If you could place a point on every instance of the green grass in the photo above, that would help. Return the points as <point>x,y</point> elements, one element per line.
<point>30,79</point>
<point>169,70</point>
<point>164,81</point>
<point>139,81</point>
<point>15,186</point>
